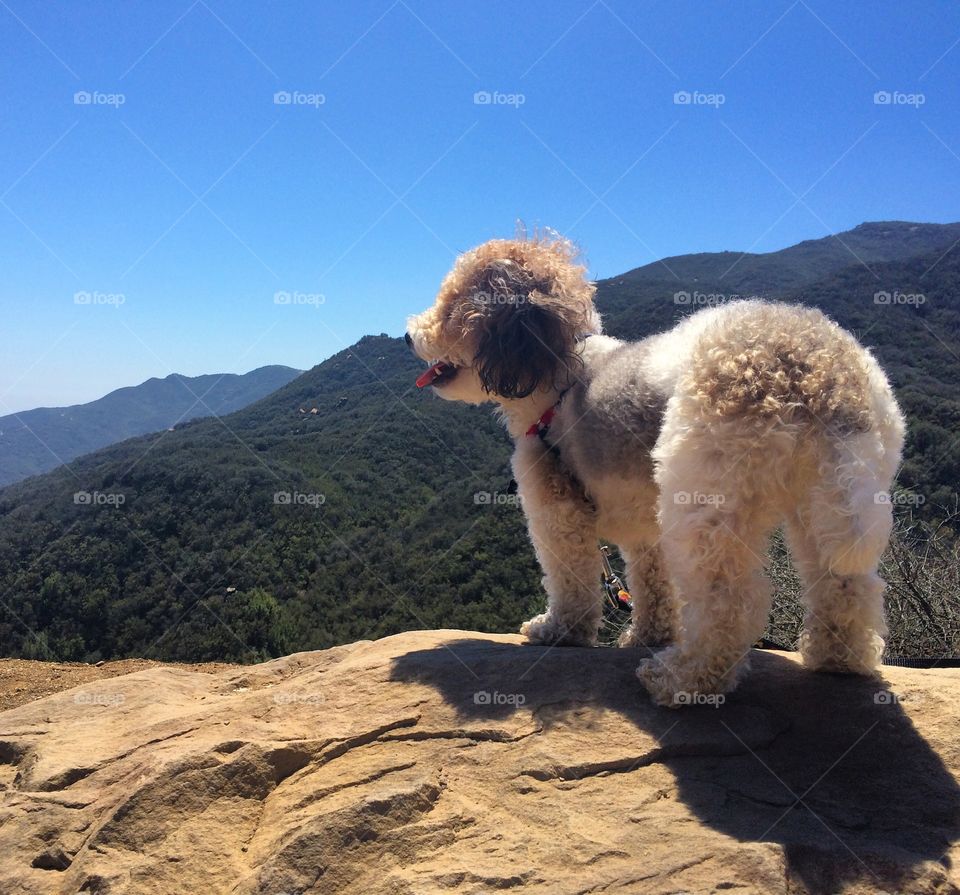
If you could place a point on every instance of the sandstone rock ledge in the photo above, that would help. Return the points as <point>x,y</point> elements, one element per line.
<point>456,762</point>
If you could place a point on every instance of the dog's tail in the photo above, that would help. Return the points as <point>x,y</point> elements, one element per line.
<point>849,507</point>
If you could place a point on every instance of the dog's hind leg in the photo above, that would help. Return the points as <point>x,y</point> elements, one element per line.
<point>720,498</point>
<point>563,528</point>
<point>843,622</point>
<point>653,620</point>
<point>836,535</point>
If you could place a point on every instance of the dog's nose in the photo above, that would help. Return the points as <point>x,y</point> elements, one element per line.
<point>408,340</point>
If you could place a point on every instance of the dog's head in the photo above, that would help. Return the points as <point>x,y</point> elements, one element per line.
<point>506,321</point>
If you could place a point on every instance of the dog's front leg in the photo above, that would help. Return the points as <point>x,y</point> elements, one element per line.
<point>653,621</point>
<point>563,528</point>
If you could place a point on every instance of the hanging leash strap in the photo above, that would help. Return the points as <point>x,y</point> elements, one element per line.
<point>616,593</point>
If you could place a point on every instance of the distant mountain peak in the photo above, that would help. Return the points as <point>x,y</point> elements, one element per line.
<point>794,266</point>
<point>34,441</point>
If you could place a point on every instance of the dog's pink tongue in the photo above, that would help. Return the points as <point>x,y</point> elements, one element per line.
<point>431,375</point>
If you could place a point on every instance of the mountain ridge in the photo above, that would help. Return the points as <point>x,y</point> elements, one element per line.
<point>872,237</point>
<point>37,440</point>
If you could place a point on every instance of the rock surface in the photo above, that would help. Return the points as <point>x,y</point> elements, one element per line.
<point>454,762</point>
<point>24,680</point>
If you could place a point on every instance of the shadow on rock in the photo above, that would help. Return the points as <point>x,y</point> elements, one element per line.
<point>829,767</point>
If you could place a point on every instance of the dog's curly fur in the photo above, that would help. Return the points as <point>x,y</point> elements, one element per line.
<point>685,449</point>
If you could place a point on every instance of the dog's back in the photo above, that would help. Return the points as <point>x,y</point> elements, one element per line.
<point>770,361</point>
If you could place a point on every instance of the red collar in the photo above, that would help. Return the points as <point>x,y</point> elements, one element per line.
<point>541,426</point>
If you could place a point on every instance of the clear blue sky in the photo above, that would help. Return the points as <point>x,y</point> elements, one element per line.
<point>199,198</point>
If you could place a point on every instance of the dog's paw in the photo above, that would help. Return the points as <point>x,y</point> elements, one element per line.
<point>828,653</point>
<point>547,630</point>
<point>674,680</point>
<point>659,681</point>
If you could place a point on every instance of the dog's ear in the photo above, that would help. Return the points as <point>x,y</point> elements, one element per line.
<point>523,345</point>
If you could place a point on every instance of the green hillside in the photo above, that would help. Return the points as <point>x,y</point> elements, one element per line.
<point>397,471</point>
<point>385,509</point>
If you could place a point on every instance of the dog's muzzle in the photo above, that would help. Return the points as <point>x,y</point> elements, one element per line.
<point>437,373</point>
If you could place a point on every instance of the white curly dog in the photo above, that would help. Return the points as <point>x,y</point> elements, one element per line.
<point>685,449</point>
